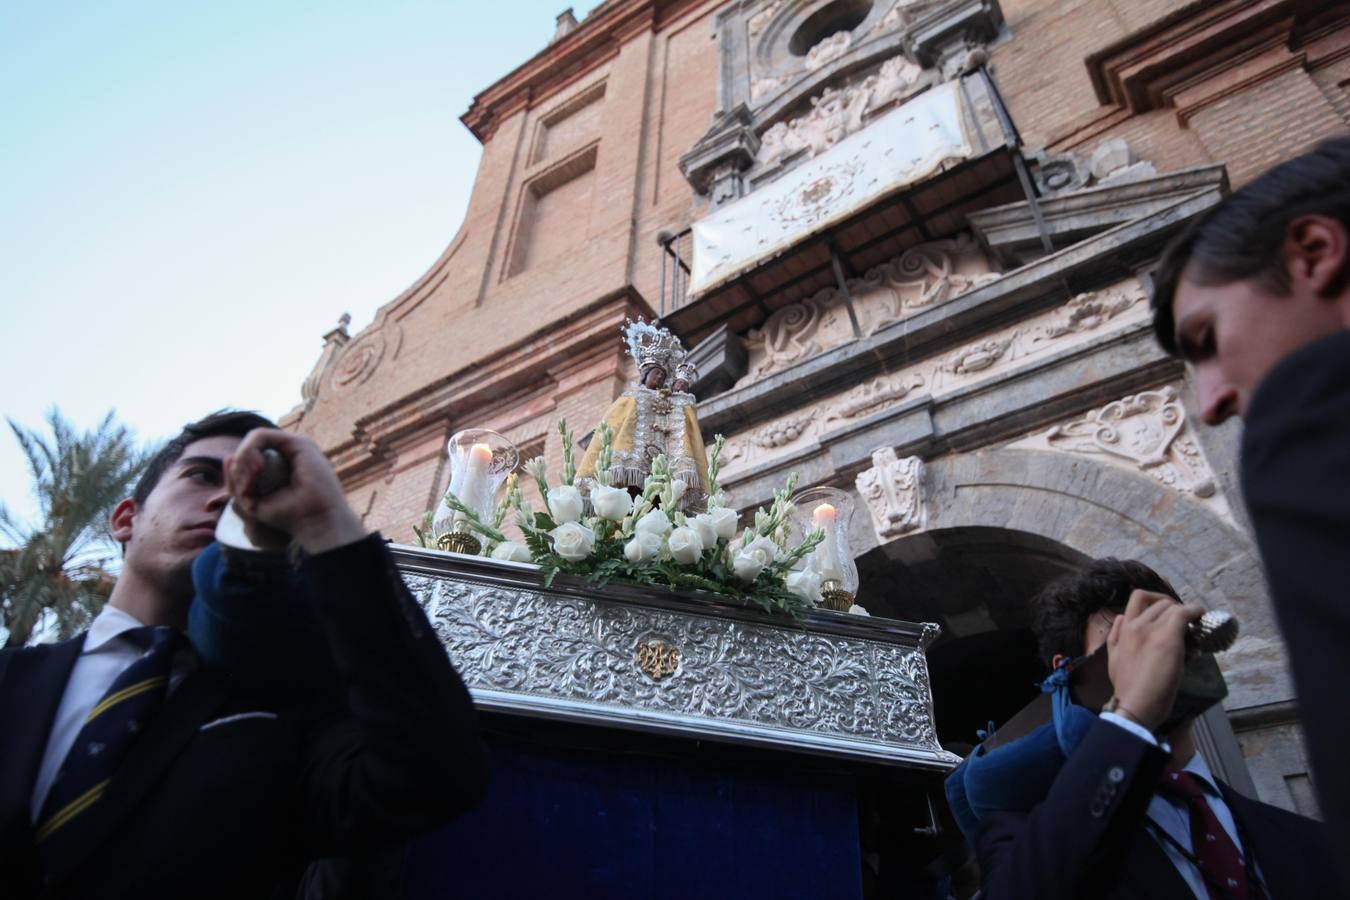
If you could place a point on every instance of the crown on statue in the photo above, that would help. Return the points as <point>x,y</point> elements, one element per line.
<point>687,371</point>
<point>651,345</point>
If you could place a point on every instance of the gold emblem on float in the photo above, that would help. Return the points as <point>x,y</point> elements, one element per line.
<point>657,658</point>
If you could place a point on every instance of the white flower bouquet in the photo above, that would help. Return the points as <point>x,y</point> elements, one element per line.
<point>610,535</point>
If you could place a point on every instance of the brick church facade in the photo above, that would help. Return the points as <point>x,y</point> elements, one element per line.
<point>950,318</point>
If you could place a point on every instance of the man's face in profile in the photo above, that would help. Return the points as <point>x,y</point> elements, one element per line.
<point>1234,334</point>
<point>178,519</point>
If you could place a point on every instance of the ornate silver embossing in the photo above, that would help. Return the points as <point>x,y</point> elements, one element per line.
<point>674,667</point>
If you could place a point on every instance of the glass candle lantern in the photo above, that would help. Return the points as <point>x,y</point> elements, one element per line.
<point>480,460</point>
<point>830,510</point>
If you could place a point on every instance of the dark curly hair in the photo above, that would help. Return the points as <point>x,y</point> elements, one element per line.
<point>1061,610</point>
<point>1242,237</point>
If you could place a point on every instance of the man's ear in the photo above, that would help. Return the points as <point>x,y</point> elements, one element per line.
<point>123,515</point>
<point>1317,255</point>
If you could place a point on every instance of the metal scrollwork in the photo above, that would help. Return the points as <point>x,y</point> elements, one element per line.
<point>738,679</point>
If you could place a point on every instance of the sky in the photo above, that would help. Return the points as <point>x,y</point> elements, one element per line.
<point>192,193</point>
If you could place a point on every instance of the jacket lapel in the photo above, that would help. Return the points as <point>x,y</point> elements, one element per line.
<point>31,688</point>
<point>173,728</point>
<point>1150,874</point>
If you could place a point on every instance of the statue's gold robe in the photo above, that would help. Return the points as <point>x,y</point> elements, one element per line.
<point>647,424</point>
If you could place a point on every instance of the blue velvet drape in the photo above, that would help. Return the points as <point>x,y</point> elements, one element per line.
<point>600,825</point>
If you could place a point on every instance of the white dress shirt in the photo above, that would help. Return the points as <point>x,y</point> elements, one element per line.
<point>105,656</point>
<point>1174,817</point>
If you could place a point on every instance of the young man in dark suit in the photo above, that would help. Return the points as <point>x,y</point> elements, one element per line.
<point>132,769</point>
<point>1256,298</point>
<point>1132,813</point>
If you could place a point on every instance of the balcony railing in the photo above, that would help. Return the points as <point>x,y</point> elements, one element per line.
<point>678,252</point>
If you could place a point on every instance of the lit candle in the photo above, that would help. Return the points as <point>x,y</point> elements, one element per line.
<point>475,477</point>
<point>826,566</point>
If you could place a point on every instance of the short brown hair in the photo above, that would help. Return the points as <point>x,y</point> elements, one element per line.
<point>1241,238</point>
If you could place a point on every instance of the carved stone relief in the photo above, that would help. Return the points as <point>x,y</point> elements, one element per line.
<point>835,112</point>
<point>333,342</point>
<point>892,491</point>
<point>828,50</point>
<point>1111,162</point>
<point>1145,430</point>
<point>977,357</point>
<point>799,332</point>
<point>874,395</point>
<point>755,24</point>
<point>359,359</point>
<point>923,275</point>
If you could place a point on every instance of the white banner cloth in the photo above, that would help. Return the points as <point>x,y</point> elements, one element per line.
<point>901,148</point>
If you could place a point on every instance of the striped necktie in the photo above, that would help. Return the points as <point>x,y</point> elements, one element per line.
<point>108,731</point>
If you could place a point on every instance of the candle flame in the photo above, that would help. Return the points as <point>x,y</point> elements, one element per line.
<point>482,451</point>
<point>824,511</point>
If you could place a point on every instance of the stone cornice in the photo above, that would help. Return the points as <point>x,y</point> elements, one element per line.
<point>1198,42</point>
<point>1116,252</point>
<point>595,41</point>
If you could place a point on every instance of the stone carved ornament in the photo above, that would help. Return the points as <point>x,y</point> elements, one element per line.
<point>922,276</point>
<point>359,359</point>
<point>523,642</point>
<point>756,22</point>
<point>1146,430</point>
<point>892,491</point>
<point>791,339</point>
<point>836,112</point>
<point>828,50</point>
<point>333,342</point>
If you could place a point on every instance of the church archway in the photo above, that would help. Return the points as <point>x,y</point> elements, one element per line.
<point>977,583</point>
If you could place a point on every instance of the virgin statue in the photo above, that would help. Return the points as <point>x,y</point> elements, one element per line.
<point>650,419</point>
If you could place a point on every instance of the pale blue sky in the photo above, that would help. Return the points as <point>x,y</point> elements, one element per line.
<point>191,193</point>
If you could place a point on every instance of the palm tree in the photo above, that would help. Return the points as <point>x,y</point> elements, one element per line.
<point>58,572</point>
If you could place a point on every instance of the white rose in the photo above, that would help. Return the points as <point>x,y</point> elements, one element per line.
<point>723,522</point>
<point>748,562</point>
<point>564,503</point>
<point>677,489</point>
<point>573,541</point>
<point>643,547</point>
<point>610,502</point>
<point>512,552</point>
<point>685,545</point>
<point>707,532</point>
<point>655,522</point>
<point>805,584</point>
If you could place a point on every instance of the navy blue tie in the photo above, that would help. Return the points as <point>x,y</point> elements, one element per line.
<point>108,731</point>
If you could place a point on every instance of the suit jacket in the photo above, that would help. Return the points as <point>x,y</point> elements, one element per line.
<point>1296,480</point>
<point>1087,840</point>
<point>228,788</point>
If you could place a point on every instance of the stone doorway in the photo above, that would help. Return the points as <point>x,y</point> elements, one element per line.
<point>977,583</point>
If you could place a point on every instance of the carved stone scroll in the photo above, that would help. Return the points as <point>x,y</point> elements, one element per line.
<point>893,492</point>
<point>1146,431</point>
<point>924,275</point>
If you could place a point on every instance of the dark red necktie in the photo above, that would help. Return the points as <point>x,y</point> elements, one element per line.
<point>1215,853</point>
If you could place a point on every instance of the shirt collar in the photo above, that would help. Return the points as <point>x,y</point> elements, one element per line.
<point>110,623</point>
<point>1200,769</point>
